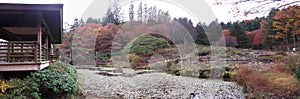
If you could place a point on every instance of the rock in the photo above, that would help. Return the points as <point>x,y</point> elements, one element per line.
<point>128,72</point>
<point>217,72</point>
<point>204,73</point>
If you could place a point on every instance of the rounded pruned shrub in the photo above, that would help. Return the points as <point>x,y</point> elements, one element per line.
<point>146,45</point>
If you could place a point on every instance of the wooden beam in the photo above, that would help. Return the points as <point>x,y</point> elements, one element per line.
<point>24,66</point>
<point>39,38</point>
<point>7,35</point>
<point>47,46</point>
<point>18,12</point>
<point>49,7</point>
<point>21,30</point>
<point>43,20</point>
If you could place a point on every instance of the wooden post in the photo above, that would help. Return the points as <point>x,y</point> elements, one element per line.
<point>39,38</point>
<point>47,46</point>
<point>8,52</point>
<point>35,52</point>
<point>57,54</point>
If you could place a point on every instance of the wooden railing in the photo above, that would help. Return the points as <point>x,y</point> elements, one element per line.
<point>23,51</point>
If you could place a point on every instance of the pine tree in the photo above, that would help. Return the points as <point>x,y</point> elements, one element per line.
<point>270,31</point>
<point>109,17</point>
<point>145,13</point>
<point>150,15</point>
<point>238,32</point>
<point>202,37</point>
<point>116,10</point>
<point>131,11</point>
<point>140,12</point>
<point>154,13</point>
<point>81,22</point>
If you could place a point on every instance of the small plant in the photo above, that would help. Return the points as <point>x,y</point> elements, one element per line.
<point>3,87</point>
<point>204,51</point>
<point>20,89</point>
<point>133,58</point>
<point>173,68</point>
<point>278,57</point>
<point>103,55</point>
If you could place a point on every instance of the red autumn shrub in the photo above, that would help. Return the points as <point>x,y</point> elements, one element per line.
<point>251,78</point>
<point>268,83</point>
<point>142,62</point>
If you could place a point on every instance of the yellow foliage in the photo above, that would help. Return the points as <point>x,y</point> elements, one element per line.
<point>284,80</point>
<point>3,86</point>
<point>286,21</point>
<point>132,57</point>
<point>278,57</point>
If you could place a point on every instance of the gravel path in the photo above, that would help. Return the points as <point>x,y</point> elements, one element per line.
<point>154,85</point>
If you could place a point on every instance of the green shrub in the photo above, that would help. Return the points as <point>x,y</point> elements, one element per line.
<point>56,81</point>
<point>103,55</point>
<point>146,45</point>
<point>204,51</point>
<point>173,68</point>
<point>236,51</point>
<point>22,89</point>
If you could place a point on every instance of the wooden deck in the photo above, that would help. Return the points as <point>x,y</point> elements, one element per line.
<point>24,56</point>
<point>23,66</point>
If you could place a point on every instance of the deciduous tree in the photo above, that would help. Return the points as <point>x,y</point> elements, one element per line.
<point>287,23</point>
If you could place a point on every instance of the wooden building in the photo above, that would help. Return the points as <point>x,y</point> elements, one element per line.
<point>28,32</point>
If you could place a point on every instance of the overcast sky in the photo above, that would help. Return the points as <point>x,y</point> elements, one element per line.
<point>197,10</point>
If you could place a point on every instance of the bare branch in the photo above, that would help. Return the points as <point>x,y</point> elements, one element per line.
<point>288,4</point>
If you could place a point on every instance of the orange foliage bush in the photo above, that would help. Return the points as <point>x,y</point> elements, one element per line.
<point>281,68</point>
<point>274,83</point>
<point>251,78</point>
<point>290,62</point>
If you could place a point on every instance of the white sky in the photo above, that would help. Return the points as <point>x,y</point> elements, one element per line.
<point>77,9</point>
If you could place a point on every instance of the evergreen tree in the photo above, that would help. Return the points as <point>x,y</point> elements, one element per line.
<point>238,32</point>
<point>109,17</point>
<point>145,18</point>
<point>202,37</point>
<point>213,31</point>
<point>150,15</point>
<point>140,12</point>
<point>131,11</point>
<point>75,25</point>
<point>116,10</point>
<point>270,30</point>
<point>92,20</point>
<point>154,13</point>
<point>81,22</point>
